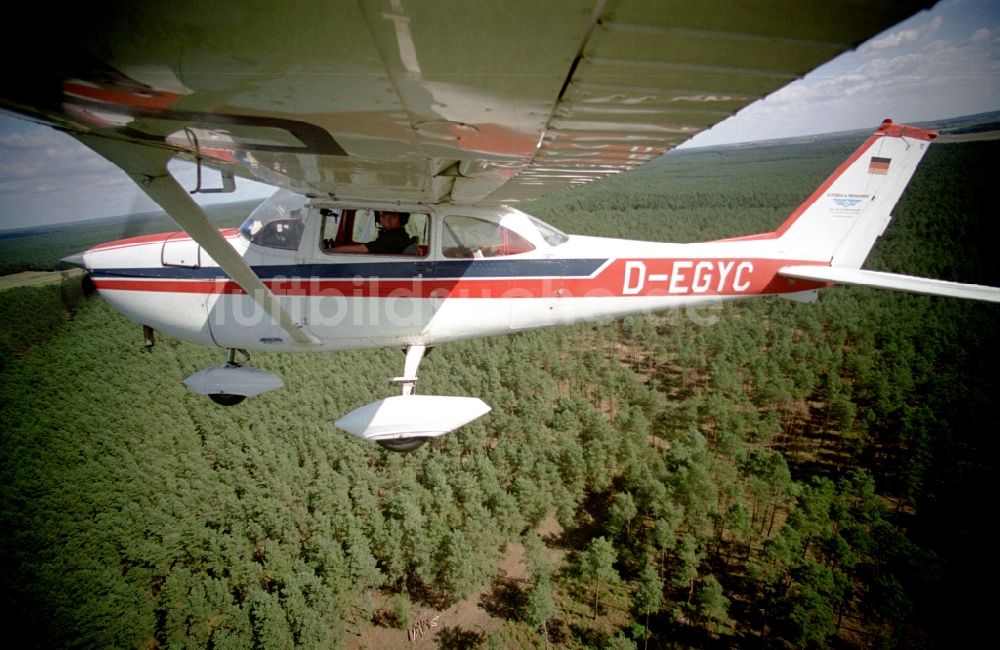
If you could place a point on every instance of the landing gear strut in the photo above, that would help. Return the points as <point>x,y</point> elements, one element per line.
<point>414,355</point>
<point>230,399</point>
<point>408,383</point>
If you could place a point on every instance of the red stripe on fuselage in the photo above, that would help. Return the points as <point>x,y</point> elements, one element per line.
<point>136,241</point>
<point>159,237</point>
<point>621,278</point>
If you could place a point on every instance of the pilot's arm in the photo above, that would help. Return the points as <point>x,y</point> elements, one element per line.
<point>349,248</point>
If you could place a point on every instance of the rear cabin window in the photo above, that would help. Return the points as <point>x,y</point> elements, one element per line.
<point>471,238</point>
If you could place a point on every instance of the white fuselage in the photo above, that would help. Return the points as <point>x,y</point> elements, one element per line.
<point>367,300</point>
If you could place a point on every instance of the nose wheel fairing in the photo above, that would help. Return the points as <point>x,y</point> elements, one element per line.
<point>231,383</point>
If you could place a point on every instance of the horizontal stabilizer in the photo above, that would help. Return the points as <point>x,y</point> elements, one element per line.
<point>881,280</point>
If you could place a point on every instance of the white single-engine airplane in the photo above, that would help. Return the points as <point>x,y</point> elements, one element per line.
<point>402,133</point>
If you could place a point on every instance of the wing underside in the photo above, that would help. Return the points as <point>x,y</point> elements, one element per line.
<point>470,102</point>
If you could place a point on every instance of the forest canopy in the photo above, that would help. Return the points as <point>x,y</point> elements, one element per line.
<point>769,473</point>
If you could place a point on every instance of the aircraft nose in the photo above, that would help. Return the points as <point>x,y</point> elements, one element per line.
<point>75,260</point>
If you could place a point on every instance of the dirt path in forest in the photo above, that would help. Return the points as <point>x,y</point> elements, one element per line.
<point>463,624</point>
<point>466,619</point>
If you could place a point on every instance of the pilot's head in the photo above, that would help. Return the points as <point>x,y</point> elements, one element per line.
<point>390,220</point>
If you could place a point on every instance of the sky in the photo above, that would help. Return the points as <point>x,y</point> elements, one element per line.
<point>47,177</point>
<point>944,62</point>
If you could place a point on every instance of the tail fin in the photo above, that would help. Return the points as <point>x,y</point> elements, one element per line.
<point>840,222</point>
<point>844,217</point>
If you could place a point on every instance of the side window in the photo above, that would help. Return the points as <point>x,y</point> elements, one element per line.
<point>331,222</point>
<point>419,226</point>
<point>387,232</point>
<point>471,238</point>
<point>365,229</point>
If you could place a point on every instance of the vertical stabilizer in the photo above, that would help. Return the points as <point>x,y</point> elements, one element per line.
<point>844,217</point>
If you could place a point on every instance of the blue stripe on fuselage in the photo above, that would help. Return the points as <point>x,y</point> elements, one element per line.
<point>427,269</point>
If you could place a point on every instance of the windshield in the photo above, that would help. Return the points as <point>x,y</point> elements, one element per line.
<point>277,222</point>
<point>552,235</point>
<point>469,237</point>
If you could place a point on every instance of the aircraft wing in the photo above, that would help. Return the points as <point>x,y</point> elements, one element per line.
<point>470,101</point>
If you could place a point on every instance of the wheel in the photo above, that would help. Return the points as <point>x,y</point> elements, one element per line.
<point>226,399</point>
<point>403,445</point>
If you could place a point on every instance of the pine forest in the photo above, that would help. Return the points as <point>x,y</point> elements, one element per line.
<point>766,474</point>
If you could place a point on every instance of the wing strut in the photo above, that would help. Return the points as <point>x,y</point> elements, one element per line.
<point>147,166</point>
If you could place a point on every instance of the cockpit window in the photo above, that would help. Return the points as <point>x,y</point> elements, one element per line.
<point>277,222</point>
<point>382,232</point>
<point>468,237</point>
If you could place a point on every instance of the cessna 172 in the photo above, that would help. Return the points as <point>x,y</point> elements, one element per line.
<point>447,118</point>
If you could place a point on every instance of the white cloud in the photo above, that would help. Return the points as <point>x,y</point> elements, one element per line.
<point>896,39</point>
<point>981,34</point>
<point>927,69</point>
<point>903,36</point>
<point>46,151</point>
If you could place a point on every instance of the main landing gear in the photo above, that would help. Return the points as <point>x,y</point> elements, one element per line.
<point>402,423</point>
<point>408,382</point>
<point>405,422</point>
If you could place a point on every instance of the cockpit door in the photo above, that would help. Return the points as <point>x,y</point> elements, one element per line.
<point>180,250</point>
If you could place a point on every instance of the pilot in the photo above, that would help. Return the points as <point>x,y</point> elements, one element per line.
<point>392,236</point>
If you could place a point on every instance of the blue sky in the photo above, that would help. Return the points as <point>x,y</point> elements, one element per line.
<point>944,62</point>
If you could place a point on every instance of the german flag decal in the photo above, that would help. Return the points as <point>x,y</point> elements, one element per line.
<point>879,165</point>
